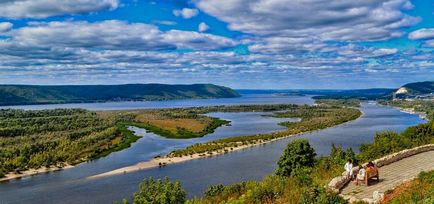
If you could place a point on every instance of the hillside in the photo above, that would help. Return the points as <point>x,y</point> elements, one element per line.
<point>32,94</point>
<point>416,89</point>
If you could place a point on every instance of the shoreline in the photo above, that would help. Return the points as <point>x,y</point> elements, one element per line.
<point>32,172</point>
<point>421,115</point>
<point>164,161</point>
<point>155,162</point>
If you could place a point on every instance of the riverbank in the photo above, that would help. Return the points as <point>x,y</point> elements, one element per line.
<point>411,111</point>
<point>161,162</point>
<point>164,161</point>
<point>32,172</point>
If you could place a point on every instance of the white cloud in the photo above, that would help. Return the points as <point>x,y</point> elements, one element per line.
<point>429,43</point>
<point>111,35</point>
<point>203,27</point>
<point>367,20</point>
<point>5,26</point>
<point>163,22</point>
<point>384,52</point>
<point>186,13</point>
<point>16,9</point>
<point>422,34</point>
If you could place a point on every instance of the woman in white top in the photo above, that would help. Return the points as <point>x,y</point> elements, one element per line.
<point>349,168</point>
<point>360,175</point>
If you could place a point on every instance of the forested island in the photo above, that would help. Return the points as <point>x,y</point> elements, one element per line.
<point>34,94</point>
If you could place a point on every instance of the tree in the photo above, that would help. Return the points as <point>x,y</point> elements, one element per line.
<point>158,192</point>
<point>297,155</point>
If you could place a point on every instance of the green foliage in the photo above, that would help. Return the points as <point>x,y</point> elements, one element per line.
<point>27,94</point>
<point>341,156</point>
<point>181,133</point>
<point>339,102</point>
<point>214,190</point>
<point>303,186</point>
<point>297,155</point>
<point>33,139</point>
<point>390,142</point>
<point>319,195</point>
<point>159,192</point>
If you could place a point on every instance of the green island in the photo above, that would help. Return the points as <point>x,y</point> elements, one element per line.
<point>311,118</point>
<point>339,103</point>
<point>43,138</point>
<point>300,177</point>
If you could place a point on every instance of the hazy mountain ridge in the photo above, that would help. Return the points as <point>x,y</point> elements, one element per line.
<point>33,94</point>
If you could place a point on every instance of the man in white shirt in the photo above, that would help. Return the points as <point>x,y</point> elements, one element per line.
<point>349,168</point>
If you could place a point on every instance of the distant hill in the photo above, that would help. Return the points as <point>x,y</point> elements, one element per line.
<point>33,94</point>
<point>363,94</point>
<point>417,89</point>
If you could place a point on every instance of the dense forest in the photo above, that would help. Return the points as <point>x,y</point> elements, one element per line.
<point>32,139</point>
<point>32,94</point>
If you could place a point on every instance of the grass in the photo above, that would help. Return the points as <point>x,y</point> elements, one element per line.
<point>170,123</point>
<point>420,190</point>
<point>125,139</point>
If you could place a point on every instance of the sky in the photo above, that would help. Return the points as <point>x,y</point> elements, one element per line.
<point>244,44</point>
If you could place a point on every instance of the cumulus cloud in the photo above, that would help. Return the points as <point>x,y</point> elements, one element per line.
<point>16,9</point>
<point>367,20</point>
<point>203,27</point>
<point>422,34</point>
<point>5,26</point>
<point>186,13</point>
<point>111,35</point>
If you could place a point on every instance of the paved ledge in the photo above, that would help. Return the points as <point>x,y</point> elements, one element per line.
<point>391,176</point>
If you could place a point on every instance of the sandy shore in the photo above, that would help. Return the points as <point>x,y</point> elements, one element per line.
<point>163,161</point>
<point>32,172</point>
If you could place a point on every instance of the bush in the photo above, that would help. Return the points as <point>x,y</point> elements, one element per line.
<point>319,195</point>
<point>215,190</point>
<point>159,192</point>
<point>297,155</point>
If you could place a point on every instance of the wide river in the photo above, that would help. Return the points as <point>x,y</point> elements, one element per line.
<point>71,185</point>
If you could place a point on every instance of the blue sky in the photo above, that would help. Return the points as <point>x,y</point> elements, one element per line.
<point>258,44</point>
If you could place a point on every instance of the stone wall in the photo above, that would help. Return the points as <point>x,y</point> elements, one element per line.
<point>337,183</point>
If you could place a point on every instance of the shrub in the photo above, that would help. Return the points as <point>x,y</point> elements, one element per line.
<point>297,155</point>
<point>159,192</point>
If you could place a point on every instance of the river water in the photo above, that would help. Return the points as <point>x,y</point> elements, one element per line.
<point>71,185</point>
